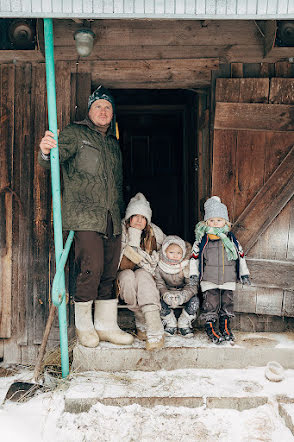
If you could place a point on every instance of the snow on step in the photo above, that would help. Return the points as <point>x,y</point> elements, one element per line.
<point>229,388</point>
<point>251,349</point>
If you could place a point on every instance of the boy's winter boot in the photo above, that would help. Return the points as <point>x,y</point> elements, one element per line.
<point>154,327</point>
<point>169,323</point>
<point>225,329</point>
<point>213,334</point>
<point>140,325</point>
<point>85,330</point>
<point>185,324</point>
<point>105,321</point>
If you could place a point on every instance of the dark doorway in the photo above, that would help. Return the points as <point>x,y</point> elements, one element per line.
<point>156,143</point>
<point>152,147</point>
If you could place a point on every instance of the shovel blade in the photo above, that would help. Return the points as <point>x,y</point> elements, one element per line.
<point>22,391</point>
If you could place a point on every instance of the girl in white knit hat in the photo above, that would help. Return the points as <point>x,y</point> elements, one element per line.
<point>141,240</point>
<point>217,262</point>
<point>172,280</point>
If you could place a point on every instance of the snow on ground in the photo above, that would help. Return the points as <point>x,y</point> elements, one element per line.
<point>42,418</point>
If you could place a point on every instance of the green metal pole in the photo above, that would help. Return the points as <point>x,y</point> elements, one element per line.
<point>55,182</point>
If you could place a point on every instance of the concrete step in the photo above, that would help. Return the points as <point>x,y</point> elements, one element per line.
<point>208,388</point>
<point>286,410</point>
<point>250,350</point>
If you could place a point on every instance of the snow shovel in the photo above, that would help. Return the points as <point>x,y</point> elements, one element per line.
<point>22,391</point>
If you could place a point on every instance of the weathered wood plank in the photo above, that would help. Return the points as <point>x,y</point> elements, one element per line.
<point>23,186</point>
<point>270,30</point>
<point>63,89</point>
<point>271,273</point>
<point>227,90</point>
<point>148,72</point>
<point>288,304</point>
<point>269,301</point>
<point>236,70</point>
<point>159,32</point>
<point>41,208</point>
<point>245,299</point>
<point>249,169</point>
<point>242,90</point>
<point>282,91</point>
<point>254,116</point>
<point>283,69</point>
<point>81,89</point>
<point>6,145</point>
<point>224,168</point>
<point>274,242</point>
<point>267,204</point>
<point>290,245</point>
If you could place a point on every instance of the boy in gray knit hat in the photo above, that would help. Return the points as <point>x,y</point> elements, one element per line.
<point>217,263</point>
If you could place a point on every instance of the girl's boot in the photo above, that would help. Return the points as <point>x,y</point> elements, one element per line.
<point>140,325</point>
<point>213,334</point>
<point>169,322</point>
<point>85,330</point>
<point>154,327</point>
<point>225,328</point>
<point>185,324</point>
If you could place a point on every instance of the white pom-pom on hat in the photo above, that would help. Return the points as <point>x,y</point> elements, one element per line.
<point>214,208</point>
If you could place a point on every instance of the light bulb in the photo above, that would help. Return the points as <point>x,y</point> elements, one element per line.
<point>84,39</point>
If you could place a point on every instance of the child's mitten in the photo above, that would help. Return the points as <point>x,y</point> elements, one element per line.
<point>194,280</point>
<point>171,299</point>
<point>245,280</point>
<point>134,237</point>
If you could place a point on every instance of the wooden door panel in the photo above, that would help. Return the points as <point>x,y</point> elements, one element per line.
<point>253,163</point>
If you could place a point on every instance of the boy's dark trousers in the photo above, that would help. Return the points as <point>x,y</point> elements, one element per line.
<point>217,302</point>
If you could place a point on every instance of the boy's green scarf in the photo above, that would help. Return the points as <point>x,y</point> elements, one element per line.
<point>200,230</point>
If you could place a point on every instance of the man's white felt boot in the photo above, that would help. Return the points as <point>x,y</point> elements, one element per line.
<point>105,321</point>
<point>154,328</point>
<point>85,330</point>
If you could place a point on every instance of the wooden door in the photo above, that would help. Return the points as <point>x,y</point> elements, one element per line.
<point>253,161</point>
<point>152,147</point>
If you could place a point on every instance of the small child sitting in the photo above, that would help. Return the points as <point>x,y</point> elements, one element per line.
<point>217,262</point>
<point>172,280</point>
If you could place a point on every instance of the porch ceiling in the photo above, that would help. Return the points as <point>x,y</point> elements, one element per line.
<point>178,9</point>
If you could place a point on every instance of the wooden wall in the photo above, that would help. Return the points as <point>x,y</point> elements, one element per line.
<point>26,239</point>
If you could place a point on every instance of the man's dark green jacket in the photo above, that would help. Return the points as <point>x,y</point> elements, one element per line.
<point>92,177</point>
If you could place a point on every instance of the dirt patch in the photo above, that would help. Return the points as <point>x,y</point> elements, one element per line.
<point>5,372</point>
<point>258,342</point>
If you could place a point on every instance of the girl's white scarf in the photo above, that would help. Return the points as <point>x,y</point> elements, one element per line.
<point>172,269</point>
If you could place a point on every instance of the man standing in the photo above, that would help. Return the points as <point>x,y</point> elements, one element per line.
<point>91,206</point>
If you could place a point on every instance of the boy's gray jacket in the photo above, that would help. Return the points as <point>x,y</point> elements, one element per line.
<point>197,262</point>
<point>92,177</point>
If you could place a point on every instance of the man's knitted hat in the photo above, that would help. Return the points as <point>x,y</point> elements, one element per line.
<point>214,208</point>
<point>101,93</point>
<point>173,239</point>
<point>138,205</point>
